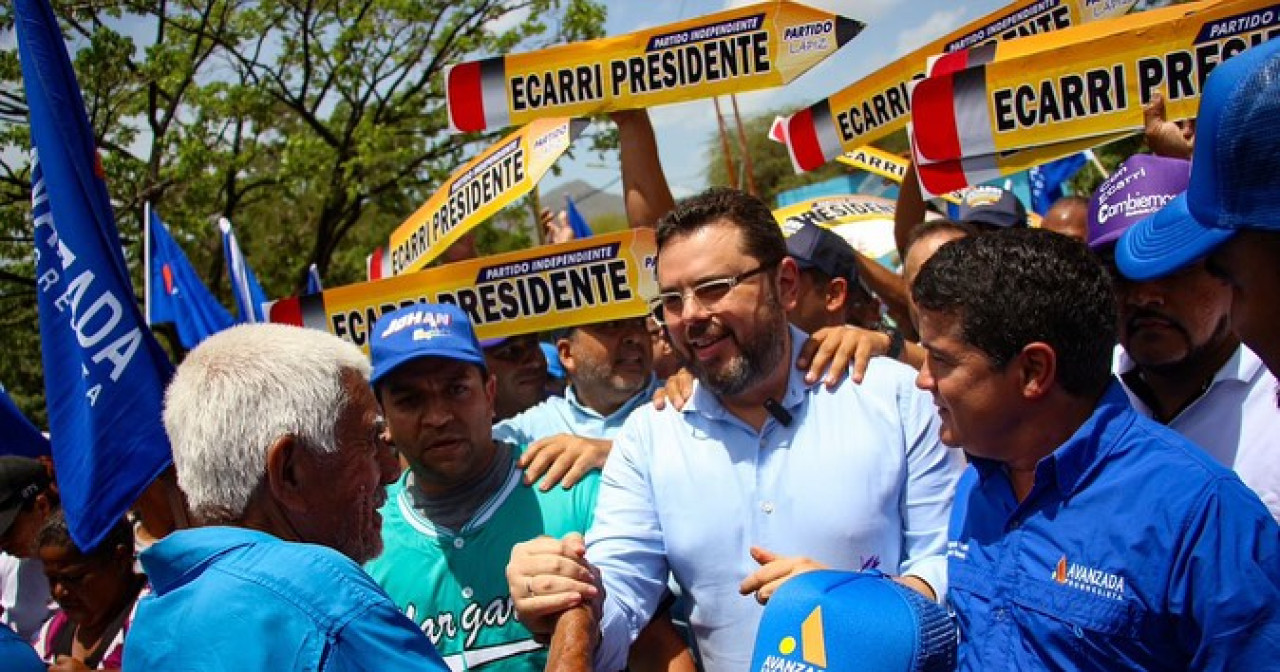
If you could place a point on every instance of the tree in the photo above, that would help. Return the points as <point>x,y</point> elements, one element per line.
<point>316,126</point>
<point>771,166</point>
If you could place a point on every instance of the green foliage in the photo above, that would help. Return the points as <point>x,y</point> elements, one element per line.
<point>316,128</point>
<point>771,166</point>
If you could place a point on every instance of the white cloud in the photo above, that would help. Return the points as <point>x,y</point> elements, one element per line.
<point>938,24</point>
<point>508,21</point>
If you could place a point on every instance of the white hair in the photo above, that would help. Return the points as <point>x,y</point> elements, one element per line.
<point>241,390</point>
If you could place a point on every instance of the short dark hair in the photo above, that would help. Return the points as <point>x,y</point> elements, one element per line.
<point>1014,287</point>
<point>761,235</point>
<point>55,533</point>
<point>931,227</point>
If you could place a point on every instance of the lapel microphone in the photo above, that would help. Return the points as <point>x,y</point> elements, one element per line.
<point>778,412</point>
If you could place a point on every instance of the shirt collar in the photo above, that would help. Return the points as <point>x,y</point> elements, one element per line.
<point>705,401</point>
<point>641,397</point>
<point>168,561</point>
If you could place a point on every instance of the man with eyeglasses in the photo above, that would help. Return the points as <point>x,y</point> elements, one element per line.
<point>760,476</point>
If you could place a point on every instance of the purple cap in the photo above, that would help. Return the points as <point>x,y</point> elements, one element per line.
<point>1138,189</point>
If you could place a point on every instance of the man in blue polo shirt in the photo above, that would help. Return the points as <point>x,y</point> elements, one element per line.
<point>1085,536</point>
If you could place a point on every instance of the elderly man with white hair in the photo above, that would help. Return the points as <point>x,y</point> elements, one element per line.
<point>277,444</point>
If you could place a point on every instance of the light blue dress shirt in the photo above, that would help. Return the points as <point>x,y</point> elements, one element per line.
<point>857,479</point>
<point>566,415</point>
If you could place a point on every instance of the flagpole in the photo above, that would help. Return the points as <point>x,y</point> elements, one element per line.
<point>146,261</point>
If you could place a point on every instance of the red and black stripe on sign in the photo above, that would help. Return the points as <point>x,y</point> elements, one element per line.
<point>476,95</point>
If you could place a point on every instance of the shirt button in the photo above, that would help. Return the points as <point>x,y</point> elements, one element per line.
<point>467,593</point>
<point>767,507</point>
<point>999,614</point>
<point>458,542</point>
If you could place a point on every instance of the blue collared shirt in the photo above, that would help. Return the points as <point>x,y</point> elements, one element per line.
<point>1133,550</point>
<point>857,479</point>
<point>567,415</point>
<point>233,599</point>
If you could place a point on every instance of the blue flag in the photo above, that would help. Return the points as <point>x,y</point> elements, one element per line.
<point>177,295</point>
<point>577,222</point>
<point>104,372</point>
<point>244,284</point>
<point>17,435</point>
<point>314,286</point>
<point>1046,181</point>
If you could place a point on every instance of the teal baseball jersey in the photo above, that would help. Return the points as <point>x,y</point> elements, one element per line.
<point>453,584</point>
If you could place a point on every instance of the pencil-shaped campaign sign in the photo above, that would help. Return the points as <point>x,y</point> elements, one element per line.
<point>948,177</point>
<point>755,47</point>
<point>479,189</point>
<point>875,106</point>
<point>866,222</point>
<point>886,165</point>
<point>605,277</point>
<point>1081,83</point>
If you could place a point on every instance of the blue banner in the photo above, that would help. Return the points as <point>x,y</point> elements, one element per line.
<point>577,222</point>
<point>244,284</point>
<point>314,286</point>
<point>104,372</point>
<point>1047,181</point>
<point>177,295</point>
<point>17,435</point>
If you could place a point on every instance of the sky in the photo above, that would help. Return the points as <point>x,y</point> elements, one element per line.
<point>685,131</point>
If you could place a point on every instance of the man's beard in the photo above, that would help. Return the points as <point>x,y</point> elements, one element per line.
<point>758,355</point>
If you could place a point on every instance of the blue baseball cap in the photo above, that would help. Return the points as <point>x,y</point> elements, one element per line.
<point>423,330</point>
<point>1235,171</point>
<point>853,621</point>
<point>554,368</point>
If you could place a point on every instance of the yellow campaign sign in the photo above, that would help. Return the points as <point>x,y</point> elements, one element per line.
<point>605,277</point>
<point>479,189</point>
<point>1085,82</point>
<point>877,105</point>
<point>742,49</point>
<point>866,222</point>
<point>949,177</point>
<point>886,165</point>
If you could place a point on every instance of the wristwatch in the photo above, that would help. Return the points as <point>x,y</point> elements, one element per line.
<point>896,343</point>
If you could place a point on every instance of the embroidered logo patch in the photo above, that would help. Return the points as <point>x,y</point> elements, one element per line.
<point>1089,579</point>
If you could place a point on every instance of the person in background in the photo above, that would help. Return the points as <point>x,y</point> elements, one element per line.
<point>279,449</point>
<point>28,496</point>
<point>1084,536</point>
<point>1181,362</point>
<point>97,593</point>
<point>1230,212</point>
<point>520,368</point>
<point>1069,216</point>
<point>665,362</point>
<point>830,292</point>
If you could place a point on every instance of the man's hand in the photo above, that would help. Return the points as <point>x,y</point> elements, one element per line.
<point>675,391</point>
<point>555,227</point>
<point>830,350</point>
<point>773,572</point>
<point>1174,139</point>
<point>547,576</point>
<point>562,459</point>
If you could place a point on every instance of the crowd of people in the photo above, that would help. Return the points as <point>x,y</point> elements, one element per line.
<point>1053,447</point>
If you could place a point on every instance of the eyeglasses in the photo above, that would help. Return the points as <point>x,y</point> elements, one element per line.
<point>707,294</point>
